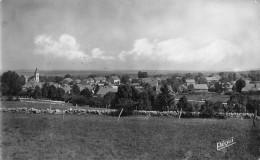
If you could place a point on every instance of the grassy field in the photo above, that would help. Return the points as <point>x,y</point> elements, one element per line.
<point>212,97</point>
<point>33,136</point>
<point>19,104</point>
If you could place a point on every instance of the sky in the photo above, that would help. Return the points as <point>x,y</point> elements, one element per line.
<point>205,35</point>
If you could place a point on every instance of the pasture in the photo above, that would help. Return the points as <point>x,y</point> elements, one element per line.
<point>38,136</point>
<point>41,105</point>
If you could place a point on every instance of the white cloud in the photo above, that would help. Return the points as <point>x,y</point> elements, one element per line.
<point>180,51</point>
<point>99,54</point>
<point>66,47</point>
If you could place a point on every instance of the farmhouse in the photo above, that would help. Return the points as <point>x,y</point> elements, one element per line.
<point>114,80</point>
<point>190,81</point>
<point>151,81</point>
<point>88,81</point>
<point>104,90</point>
<point>251,87</point>
<point>66,88</point>
<point>81,87</point>
<point>100,80</point>
<point>31,85</point>
<point>67,81</point>
<point>198,88</point>
<point>214,78</point>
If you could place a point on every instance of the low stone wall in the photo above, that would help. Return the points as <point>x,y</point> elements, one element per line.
<point>114,112</point>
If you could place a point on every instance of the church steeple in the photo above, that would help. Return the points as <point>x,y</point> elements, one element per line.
<point>36,76</point>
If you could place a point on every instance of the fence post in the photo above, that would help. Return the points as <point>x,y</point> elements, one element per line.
<point>62,111</point>
<point>120,114</point>
<point>180,114</point>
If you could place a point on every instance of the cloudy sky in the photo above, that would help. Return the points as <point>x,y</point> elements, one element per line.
<point>130,34</point>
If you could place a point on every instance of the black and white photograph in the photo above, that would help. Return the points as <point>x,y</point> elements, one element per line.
<point>130,80</point>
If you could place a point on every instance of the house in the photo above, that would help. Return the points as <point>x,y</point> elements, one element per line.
<point>81,87</point>
<point>56,85</point>
<point>77,81</point>
<point>104,90</point>
<point>114,80</point>
<point>251,87</point>
<point>88,81</point>
<point>66,88</point>
<point>67,81</point>
<point>31,85</point>
<point>151,81</point>
<point>214,78</point>
<point>198,88</point>
<point>136,81</point>
<point>158,89</point>
<point>99,80</point>
<point>190,81</point>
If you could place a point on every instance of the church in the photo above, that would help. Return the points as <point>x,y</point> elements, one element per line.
<point>33,81</point>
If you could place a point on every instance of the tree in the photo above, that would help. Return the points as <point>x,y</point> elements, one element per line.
<point>87,93</point>
<point>67,76</point>
<point>231,76</point>
<point>239,85</point>
<point>108,98</point>
<point>125,79</point>
<point>221,74</point>
<point>184,104</point>
<point>202,80</point>
<point>23,80</point>
<point>52,93</point>
<point>58,79</point>
<point>37,93</point>
<point>126,93</point>
<point>165,100</point>
<point>218,87</point>
<point>143,101</point>
<point>207,109</point>
<point>141,74</point>
<point>75,90</point>
<point>11,83</point>
<point>45,90</point>
<point>60,94</point>
<point>236,98</point>
<point>151,92</point>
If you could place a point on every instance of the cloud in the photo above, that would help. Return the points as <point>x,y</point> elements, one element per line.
<point>99,54</point>
<point>180,51</point>
<point>66,47</point>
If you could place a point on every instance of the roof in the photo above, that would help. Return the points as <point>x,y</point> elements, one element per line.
<point>190,81</point>
<point>200,86</point>
<point>152,81</point>
<point>56,85</point>
<point>81,87</point>
<point>66,87</point>
<point>114,77</point>
<point>67,79</point>
<point>104,90</point>
<point>32,84</point>
<point>99,78</point>
<point>213,78</point>
<point>251,87</point>
<point>89,79</point>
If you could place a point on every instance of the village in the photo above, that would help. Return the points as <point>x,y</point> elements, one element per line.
<point>184,85</point>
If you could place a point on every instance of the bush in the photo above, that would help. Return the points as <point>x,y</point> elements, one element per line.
<point>207,109</point>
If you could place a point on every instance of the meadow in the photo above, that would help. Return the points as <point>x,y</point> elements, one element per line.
<point>38,136</point>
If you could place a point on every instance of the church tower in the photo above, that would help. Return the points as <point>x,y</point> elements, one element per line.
<point>36,76</point>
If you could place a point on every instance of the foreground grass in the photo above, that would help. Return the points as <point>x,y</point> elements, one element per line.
<point>28,136</point>
<point>42,106</point>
